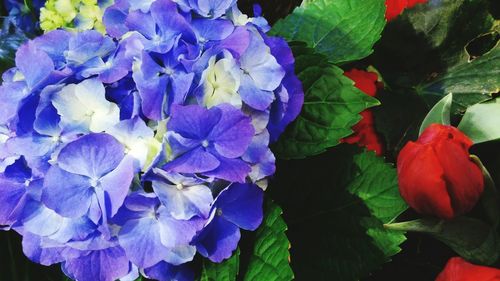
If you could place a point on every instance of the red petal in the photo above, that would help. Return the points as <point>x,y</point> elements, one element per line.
<point>394,8</point>
<point>464,178</point>
<point>421,181</point>
<point>457,269</point>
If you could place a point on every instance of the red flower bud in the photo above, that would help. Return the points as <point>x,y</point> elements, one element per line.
<point>436,175</point>
<point>364,132</point>
<point>458,269</point>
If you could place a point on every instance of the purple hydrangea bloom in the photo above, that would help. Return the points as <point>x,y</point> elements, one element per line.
<point>130,153</point>
<point>209,141</point>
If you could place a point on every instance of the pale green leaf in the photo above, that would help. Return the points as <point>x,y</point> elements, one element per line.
<point>480,122</point>
<point>439,114</point>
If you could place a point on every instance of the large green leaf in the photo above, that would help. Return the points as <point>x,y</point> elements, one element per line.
<point>270,260</point>
<point>331,107</point>
<point>479,76</point>
<point>335,205</point>
<point>224,271</point>
<point>344,30</point>
<point>470,238</point>
<point>430,38</point>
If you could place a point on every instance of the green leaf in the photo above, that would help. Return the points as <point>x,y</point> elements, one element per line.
<point>490,198</point>
<point>480,122</point>
<point>428,39</point>
<point>335,205</point>
<point>343,30</point>
<point>479,76</point>
<point>224,271</point>
<point>270,260</point>
<point>331,107</point>
<point>463,101</point>
<point>439,114</point>
<point>472,239</point>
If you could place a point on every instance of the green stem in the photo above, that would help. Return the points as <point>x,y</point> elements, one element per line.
<point>421,225</point>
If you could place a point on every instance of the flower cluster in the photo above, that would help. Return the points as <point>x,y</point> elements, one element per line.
<point>73,14</point>
<point>133,152</point>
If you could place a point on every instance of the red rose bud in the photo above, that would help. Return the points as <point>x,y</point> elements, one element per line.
<point>396,7</point>
<point>458,269</point>
<point>364,132</point>
<point>436,175</point>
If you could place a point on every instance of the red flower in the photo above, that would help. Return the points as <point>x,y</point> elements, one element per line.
<point>458,269</point>
<point>436,175</point>
<point>396,7</point>
<point>364,132</point>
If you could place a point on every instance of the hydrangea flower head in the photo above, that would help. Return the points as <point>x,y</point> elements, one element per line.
<point>73,14</point>
<point>130,153</point>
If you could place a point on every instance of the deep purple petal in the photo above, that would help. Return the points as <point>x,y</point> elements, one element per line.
<point>234,170</point>
<point>193,121</point>
<point>237,42</point>
<point>166,272</point>
<point>195,161</point>
<point>241,204</point>
<point>218,240</point>
<point>233,133</point>
<point>293,108</point>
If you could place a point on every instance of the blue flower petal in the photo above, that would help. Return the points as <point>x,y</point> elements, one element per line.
<point>25,56</point>
<point>241,204</point>
<point>93,155</point>
<point>166,272</point>
<point>141,240</point>
<point>233,133</point>
<point>218,239</point>
<point>71,199</point>
<point>103,265</point>
<point>195,161</point>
